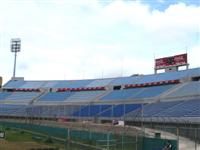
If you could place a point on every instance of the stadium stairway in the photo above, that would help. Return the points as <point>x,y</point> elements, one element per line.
<point>37,97</point>
<point>98,98</point>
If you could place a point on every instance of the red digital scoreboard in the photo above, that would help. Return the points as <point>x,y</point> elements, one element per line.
<point>177,60</point>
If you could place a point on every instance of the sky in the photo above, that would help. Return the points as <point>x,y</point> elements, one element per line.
<point>84,39</point>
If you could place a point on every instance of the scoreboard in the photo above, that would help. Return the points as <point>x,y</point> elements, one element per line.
<point>172,61</point>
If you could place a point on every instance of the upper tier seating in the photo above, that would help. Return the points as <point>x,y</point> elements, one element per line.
<point>169,76</point>
<point>14,84</point>
<point>32,84</point>
<point>125,80</point>
<point>50,84</point>
<point>104,82</point>
<point>60,84</point>
<point>79,83</point>
<point>99,83</point>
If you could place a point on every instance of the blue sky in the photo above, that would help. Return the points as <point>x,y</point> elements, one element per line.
<point>79,39</point>
<point>162,5</point>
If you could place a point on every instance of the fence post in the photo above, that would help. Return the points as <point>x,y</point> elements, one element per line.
<point>195,130</point>
<point>136,141</point>
<point>177,132</point>
<point>123,141</point>
<point>108,141</point>
<point>68,138</point>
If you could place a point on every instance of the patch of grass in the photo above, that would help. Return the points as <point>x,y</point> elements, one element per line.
<point>17,136</point>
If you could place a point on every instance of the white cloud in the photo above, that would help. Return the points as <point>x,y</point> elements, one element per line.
<point>193,56</point>
<point>64,39</point>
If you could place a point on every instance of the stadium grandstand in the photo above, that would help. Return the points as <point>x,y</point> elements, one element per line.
<point>174,95</point>
<point>171,98</point>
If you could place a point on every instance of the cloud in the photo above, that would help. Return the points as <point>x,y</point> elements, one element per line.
<point>74,39</point>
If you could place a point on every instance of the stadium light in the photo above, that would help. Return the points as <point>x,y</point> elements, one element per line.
<point>15,47</point>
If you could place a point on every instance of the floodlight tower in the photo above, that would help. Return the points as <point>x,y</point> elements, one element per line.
<point>15,46</point>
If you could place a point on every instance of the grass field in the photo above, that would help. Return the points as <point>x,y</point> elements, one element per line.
<point>8,145</point>
<point>20,140</point>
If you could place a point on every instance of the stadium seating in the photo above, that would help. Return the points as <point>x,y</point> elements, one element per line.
<point>118,95</point>
<point>123,97</point>
<point>84,96</point>
<point>188,108</point>
<point>22,96</point>
<point>119,110</point>
<point>150,92</point>
<point>55,96</point>
<point>136,93</point>
<point>79,83</point>
<point>125,80</point>
<point>99,83</point>
<point>105,110</point>
<point>169,76</point>
<point>12,110</point>
<point>32,84</point>
<point>104,82</point>
<point>189,89</point>
<point>14,84</point>
<point>4,95</point>
<point>90,110</point>
<point>50,84</point>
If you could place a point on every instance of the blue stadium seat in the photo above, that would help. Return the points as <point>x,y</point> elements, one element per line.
<point>100,83</point>
<point>150,92</point>
<point>136,93</point>
<point>119,110</point>
<point>120,95</point>
<point>55,96</point>
<point>84,95</point>
<point>189,89</point>
<point>22,96</point>
<point>4,95</point>
<point>13,84</point>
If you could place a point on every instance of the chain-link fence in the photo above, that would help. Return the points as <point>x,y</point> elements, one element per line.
<point>148,137</point>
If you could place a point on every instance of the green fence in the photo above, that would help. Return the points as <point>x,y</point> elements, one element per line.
<point>158,144</point>
<point>51,131</point>
<point>109,141</point>
<point>79,139</point>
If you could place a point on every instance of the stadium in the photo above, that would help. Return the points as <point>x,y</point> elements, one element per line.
<point>159,111</point>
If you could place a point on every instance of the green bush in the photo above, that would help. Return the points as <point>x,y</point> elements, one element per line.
<point>7,128</point>
<point>22,132</point>
<point>48,140</point>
